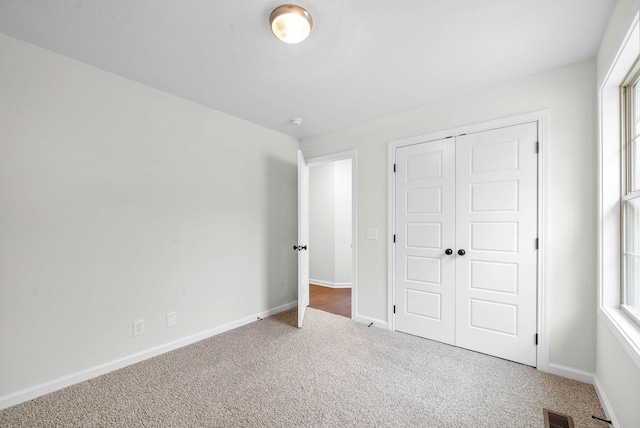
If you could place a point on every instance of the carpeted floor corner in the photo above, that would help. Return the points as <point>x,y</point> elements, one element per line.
<point>331,373</point>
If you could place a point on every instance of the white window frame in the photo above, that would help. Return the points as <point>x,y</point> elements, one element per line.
<point>610,163</point>
<point>628,110</point>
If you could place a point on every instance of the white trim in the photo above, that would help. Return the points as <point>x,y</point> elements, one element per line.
<point>472,128</point>
<point>591,379</point>
<point>542,117</point>
<point>604,400</point>
<point>571,373</point>
<point>65,381</point>
<point>353,155</point>
<point>376,322</point>
<point>333,157</point>
<point>330,284</point>
<point>544,125</point>
<point>623,39</point>
<point>391,227</point>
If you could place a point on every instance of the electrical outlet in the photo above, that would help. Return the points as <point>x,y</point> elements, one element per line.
<point>138,327</point>
<point>171,319</point>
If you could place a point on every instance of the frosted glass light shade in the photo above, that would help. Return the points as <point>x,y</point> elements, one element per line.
<point>290,23</point>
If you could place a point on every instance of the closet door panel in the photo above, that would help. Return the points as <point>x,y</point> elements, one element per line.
<point>496,222</point>
<point>425,211</point>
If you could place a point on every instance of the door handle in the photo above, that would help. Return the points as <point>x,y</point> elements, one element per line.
<point>295,247</point>
<point>448,251</point>
<point>299,247</point>
<point>303,248</point>
<point>461,252</point>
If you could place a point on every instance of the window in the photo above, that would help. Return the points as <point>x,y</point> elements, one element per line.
<point>615,304</point>
<point>630,292</point>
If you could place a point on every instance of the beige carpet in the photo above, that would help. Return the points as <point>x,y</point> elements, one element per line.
<point>333,372</point>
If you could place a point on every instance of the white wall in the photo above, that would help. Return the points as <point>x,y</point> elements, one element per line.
<point>618,364</point>
<point>330,223</point>
<point>119,202</point>
<point>569,93</point>
<point>343,254</point>
<point>322,223</point>
<point>618,378</point>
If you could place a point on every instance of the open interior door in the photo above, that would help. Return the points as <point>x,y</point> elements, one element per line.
<point>303,237</point>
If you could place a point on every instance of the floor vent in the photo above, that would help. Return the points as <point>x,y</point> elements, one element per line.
<point>557,420</point>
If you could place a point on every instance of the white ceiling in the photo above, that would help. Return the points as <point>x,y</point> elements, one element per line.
<point>364,58</point>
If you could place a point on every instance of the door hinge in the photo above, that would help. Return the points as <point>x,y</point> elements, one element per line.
<point>394,238</point>
<point>394,167</point>
<point>536,338</point>
<point>394,309</point>
<point>537,243</point>
<point>537,147</point>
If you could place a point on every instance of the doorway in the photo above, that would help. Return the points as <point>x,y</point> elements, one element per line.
<point>332,233</point>
<point>336,301</point>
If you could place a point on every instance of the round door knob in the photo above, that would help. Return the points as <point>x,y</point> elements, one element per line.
<point>461,252</point>
<point>448,251</point>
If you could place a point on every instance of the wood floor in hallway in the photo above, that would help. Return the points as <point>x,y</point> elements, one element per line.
<point>333,300</point>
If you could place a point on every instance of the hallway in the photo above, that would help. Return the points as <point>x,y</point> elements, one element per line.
<point>333,300</point>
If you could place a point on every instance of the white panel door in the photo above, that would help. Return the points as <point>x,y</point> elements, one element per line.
<point>425,218</point>
<point>496,226</point>
<point>477,196</point>
<point>303,237</point>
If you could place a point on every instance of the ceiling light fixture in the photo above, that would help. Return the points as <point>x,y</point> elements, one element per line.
<point>290,23</point>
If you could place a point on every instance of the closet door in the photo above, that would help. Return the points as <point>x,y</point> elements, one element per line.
<point>425,228</point>
<point>475,195</point>
<point>496,227</point>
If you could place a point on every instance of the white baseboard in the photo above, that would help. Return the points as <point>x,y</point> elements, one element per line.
<point>375,322</point>
<point>589,378</point>
<point>330,284</point>
<point>571,373</point>
<point>65,381</point>
<point>606,405</point>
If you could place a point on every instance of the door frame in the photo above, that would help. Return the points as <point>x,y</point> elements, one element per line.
<point>541,117</point>
<point>333,157</point>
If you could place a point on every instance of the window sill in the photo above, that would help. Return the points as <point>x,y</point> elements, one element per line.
<point>625,330</point>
